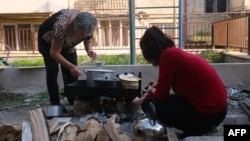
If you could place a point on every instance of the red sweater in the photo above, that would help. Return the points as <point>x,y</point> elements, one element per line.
<point>192,78</point>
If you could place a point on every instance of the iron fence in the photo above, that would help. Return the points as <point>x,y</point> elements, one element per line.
<point>113,34</point>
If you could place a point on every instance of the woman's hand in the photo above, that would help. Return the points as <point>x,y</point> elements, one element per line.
<point>150,88</point>
<point>75,71</point>
<point>138,101</point>
<point>92,54</point>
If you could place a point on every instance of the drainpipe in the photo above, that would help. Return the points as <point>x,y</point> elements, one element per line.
<point>132,30</point>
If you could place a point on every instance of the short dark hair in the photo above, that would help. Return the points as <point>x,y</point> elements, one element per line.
<point>153,42</point>
<point>86,23</point>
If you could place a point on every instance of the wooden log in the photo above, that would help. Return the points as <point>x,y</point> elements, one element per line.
<point>92,128</point>
<point>9,132</point>
<point>53,126</point>
<point>68,132</point>
<point>103,136</point>
<point>171,134</point>
<point>39,125</point>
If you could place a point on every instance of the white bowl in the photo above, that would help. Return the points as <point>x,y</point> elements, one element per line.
<point>99,63</point>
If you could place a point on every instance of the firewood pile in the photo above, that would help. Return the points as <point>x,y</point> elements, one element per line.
<point>40,129</point>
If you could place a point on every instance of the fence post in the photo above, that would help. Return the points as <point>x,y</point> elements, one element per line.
<point>248,36</point>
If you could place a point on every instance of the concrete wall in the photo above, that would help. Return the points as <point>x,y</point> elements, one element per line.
<point>235,58</point>
<point>238,5</point>
<point>17,78</point>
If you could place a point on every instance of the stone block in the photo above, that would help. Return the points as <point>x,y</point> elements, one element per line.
<point>204,138</point>
<point>236,119</point>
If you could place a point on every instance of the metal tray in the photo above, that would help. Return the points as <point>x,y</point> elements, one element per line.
<point>53,110</point>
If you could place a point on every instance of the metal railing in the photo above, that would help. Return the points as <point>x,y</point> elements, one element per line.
<point>4,60</point>
<point>199,34</point>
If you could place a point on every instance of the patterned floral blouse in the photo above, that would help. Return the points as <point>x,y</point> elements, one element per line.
<point>57,28</point>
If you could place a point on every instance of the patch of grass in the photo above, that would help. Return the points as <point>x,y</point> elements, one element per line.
<point>27,62</point>
<point>42,97</point>
<point>122,59</point>
<point>19,100</point>
<point>11,100</point>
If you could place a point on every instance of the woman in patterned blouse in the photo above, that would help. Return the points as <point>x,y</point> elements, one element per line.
<point>57,38</point>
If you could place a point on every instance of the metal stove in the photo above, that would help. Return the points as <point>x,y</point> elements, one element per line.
<point>117,99</point>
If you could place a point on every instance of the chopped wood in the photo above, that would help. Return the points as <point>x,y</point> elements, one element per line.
<point>39,125</point>
<point>80,136</point>
<point>171,134</point>
<point>112,129</point>
<point>26,132</point>
<point>92,128</point>
<point>9,132</point>
<point>53,126</point>
<point>103,136</point>
<point>68,132</point>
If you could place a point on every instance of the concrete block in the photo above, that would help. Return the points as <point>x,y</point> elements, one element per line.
<point>204,138</point>
<point>236,119</point>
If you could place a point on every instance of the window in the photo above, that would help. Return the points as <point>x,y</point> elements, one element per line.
<point>24,36</point>
<point>10,36</point>
<point>21,37</point>
<point>215,6</point>
<point>113,33</point>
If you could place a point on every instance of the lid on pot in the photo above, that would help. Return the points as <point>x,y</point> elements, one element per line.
<point>104,79</point>
<point>126,75</point>
<point>98,70</point>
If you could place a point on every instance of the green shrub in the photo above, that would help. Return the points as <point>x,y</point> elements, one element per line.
<point>212,56</point>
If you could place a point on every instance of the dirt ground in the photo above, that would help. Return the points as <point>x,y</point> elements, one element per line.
<point>14,106</point>
<point>16,113</point>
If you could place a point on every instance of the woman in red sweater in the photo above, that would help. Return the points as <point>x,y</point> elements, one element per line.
<point>199,101</point>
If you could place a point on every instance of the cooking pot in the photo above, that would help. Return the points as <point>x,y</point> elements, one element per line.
<point>129,82</point>
<point>97,73</point>
<point>150,127</point>
<point>105,82</point>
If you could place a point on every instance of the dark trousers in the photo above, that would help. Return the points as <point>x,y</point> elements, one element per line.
<point>176,112</point>
<point>52,69</point>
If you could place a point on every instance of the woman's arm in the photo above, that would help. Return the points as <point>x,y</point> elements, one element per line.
<point>55,52</point>
<point>88,47</point>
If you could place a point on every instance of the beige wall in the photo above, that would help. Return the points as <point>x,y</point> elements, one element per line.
<point>33,6</point>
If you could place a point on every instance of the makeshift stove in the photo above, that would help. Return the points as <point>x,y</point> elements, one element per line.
<point>105,100</point>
